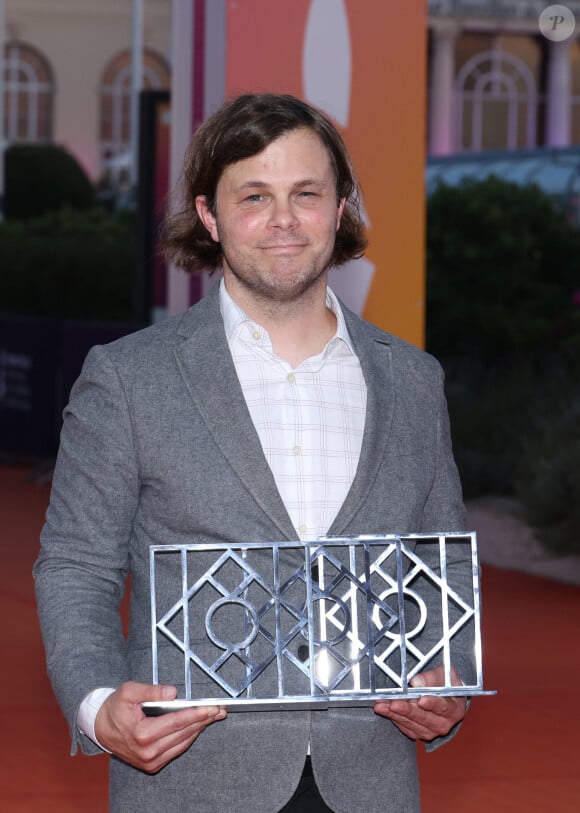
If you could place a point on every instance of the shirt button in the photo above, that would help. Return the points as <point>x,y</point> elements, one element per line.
<point>291,378</point>
<point>302,528</point>
<point>257,335</point>
<point>297,450</point>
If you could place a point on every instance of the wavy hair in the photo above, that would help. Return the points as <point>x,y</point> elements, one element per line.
<point>244,127</point>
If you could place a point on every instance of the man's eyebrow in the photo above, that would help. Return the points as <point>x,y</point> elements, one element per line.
<point>317,182</point>
<point>320,184</point>
<point>251,185</point>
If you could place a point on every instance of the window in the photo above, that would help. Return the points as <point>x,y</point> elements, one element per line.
<point>28,94</point>
<point>575,100</point>
<point>115,93</point>
<point>496,103</point>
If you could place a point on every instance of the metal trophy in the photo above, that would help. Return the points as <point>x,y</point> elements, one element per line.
<point>338,621</point>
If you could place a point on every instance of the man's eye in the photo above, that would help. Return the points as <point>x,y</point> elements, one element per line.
<point>254,198</point>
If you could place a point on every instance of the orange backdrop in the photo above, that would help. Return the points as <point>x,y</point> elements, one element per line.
<point>385,131</point>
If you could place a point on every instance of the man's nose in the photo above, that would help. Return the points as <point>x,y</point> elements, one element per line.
<point>283,214</point>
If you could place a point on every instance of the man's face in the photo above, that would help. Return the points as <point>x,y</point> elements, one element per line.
<point>276,219</point>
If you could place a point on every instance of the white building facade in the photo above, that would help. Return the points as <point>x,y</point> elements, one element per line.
<point>498,80</point>
<point>67,73</point>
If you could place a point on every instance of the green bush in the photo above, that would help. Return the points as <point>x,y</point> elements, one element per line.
<point>68,265</point>
<point>502,272</point>
<point>491,409</point>
<point>548,482</point>
<point>42,178</point>
<point>503,282</point>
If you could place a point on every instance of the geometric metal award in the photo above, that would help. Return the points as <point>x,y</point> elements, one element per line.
<point>336,621</point>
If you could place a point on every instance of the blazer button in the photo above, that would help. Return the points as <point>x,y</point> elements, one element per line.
<point>314,573</point>
<point>303,652</point>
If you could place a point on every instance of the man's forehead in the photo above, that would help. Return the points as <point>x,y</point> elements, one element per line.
<point>301,146</point>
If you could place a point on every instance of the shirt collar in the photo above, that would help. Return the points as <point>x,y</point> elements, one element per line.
<point>235,319</point>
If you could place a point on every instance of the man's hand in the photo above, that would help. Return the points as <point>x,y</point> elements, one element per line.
<point>429,716</point>
<point>149,743</point>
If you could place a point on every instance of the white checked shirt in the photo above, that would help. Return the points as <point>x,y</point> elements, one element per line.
<point>310,419</point>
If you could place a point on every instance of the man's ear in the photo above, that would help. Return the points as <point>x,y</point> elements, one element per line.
<point>341,203</point>
<point>207,217</point>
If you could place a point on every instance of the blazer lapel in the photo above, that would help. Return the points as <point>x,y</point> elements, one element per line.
<point>206,364</point>
<point>374,351</point>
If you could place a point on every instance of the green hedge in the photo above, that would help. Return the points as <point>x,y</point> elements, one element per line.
<point>42,178</point>
<point>491,410</point>
<point>548,476</point>
<point>503,316</point>
<point>69,265</point>
<point>502,272</point>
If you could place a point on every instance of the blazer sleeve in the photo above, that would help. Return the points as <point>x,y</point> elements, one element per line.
<point>444,508</point>
<point>445,511</point>
<point>81,571</point>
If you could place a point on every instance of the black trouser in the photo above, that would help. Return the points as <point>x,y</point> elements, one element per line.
<point>306,798</point>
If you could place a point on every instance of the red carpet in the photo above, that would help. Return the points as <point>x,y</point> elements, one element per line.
<point>518,752</point>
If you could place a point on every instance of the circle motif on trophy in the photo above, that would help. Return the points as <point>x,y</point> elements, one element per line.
<point>415,610</point>
<point>240,615</point>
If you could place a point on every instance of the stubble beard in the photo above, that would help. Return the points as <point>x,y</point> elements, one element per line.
<point>278,293</point>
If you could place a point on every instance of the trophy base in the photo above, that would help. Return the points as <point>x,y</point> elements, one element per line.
<point>157,708</point>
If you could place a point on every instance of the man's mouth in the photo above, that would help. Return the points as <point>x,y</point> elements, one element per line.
<point>283,248</point>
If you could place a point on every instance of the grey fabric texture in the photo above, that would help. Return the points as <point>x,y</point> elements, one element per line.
<point>158,447</point>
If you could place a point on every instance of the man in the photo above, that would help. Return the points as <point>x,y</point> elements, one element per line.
<point>266,412</point>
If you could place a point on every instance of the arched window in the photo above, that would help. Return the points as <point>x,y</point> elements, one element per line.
<point>28,94</point>
<point>496,103</point>
<point>115,94</point>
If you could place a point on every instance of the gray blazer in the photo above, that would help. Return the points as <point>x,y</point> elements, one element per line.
<point>158,447</point>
